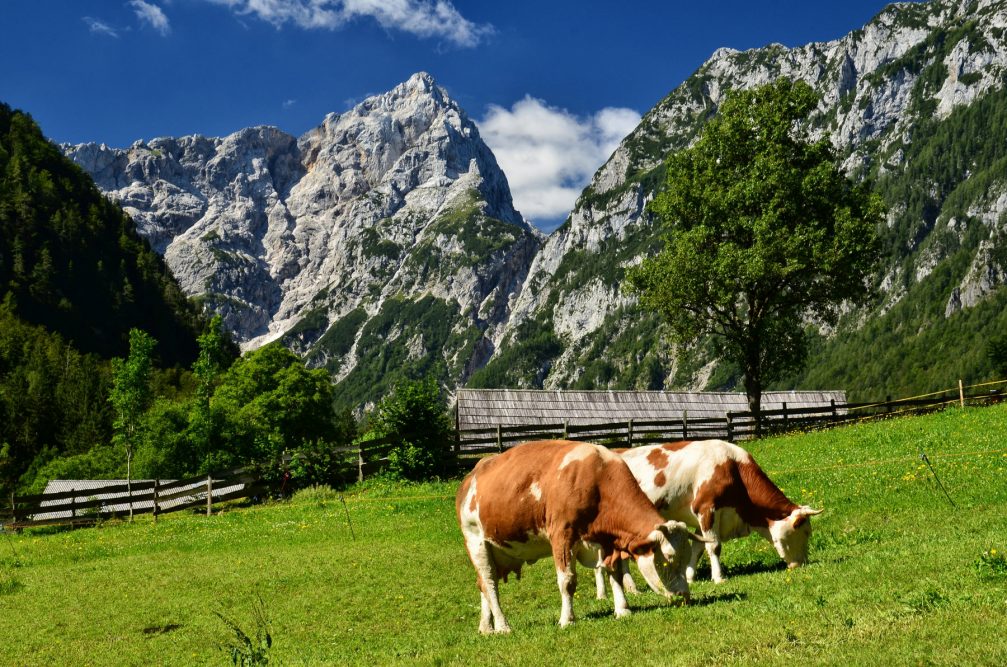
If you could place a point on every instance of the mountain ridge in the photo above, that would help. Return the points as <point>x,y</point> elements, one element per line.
<point>293,238</point>
<point>515,308</point>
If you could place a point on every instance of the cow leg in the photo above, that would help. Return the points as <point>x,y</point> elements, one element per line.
<point>599,582</point>
<point>566,578</point>
<point>618,596</point>
<point>690,572</point>
<point>486,613</point>
<point>709,526</point>
<point>628,584</point>
<point>491,617</point>
<point>713,551</point>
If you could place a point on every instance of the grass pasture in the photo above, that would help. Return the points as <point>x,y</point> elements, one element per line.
<point>896,575</point>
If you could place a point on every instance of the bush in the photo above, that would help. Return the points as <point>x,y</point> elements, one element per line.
<point>416,412</point>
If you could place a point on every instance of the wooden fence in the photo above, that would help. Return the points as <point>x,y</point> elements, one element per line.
<point>364,459</point>
<point>95,501</point>
<point>734,426</point>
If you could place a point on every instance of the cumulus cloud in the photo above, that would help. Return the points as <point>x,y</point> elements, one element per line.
<point>550,154</point>
<point>423,18</point>
<point>99,27</point>
<point>289,104</point>
<point>151,14</point>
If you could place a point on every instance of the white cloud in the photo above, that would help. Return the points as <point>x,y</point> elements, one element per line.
<point>99,27</point>
<point>152,14</point>
<point>549,154</point>
<point>288,104</point>
<point>423,18</point>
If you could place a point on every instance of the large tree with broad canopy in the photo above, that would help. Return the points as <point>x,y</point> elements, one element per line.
<point>763,233</point>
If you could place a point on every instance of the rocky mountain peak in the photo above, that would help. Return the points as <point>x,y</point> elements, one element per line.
<point>397,198</point>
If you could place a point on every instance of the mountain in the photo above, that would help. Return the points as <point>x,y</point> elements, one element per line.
<point>380,244</point>
<point>384,243</point>
<point>913,102</point>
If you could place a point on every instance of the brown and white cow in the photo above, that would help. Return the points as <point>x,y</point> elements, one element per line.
<point>573,501</point>
<point>719,487</point>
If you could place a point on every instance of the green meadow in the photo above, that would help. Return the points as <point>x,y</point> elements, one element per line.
<point>896,574</point>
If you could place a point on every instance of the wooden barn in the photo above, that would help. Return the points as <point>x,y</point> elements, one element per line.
<point>689,414</point>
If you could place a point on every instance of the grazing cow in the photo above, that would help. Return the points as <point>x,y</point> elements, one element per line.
<point>720,488</point>
<point>571,500</point>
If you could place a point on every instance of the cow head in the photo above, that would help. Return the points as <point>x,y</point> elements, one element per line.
<point>790,536</point>
<point>664,557</point>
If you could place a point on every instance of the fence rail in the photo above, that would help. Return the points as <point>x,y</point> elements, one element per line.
<point>95,502</point>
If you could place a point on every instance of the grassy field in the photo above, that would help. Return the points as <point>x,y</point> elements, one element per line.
<point>896,576</point>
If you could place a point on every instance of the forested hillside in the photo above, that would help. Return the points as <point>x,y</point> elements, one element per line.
<point>74,279</point>
<point>71,261</point>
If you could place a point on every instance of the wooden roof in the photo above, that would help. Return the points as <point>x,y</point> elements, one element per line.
<point>480,408</point>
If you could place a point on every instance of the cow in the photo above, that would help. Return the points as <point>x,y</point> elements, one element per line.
<point>573,501</point>
<point>718,487</point>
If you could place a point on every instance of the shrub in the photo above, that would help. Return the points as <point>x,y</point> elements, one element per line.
<point>416,412</point>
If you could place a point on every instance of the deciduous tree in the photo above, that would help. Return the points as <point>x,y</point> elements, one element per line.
<point>763,231</point>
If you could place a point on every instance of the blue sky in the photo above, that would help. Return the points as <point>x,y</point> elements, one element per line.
<point>553,84</point>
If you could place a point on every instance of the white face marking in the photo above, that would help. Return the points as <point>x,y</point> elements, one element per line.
<point>536,491</point>
<point>791,543</point>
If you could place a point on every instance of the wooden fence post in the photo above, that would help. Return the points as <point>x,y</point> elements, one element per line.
<point>458,431</point>
<point>786,417</point>
<point>961,393</point>
<point>73,503</point>
<point>629,433</point>
<point>209,495</point>
<point>499,439</point>
<point>888,404</point>
<point>360,462</point>
<point>730,428</point>
<point>566,429</point>
<point>157,509</point>
<point>832,401</point>
<point>685,424</point>
<point>13,509</point>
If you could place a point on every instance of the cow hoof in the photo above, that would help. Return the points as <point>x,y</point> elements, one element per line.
<point>622,613</point>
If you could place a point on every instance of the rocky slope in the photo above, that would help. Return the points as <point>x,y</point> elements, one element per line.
<point>331,241</point>
<point>892,93</point>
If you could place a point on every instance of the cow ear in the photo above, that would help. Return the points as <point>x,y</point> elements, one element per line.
<point>801,514</point>
<point>673,525</point>
<point>645,548</point>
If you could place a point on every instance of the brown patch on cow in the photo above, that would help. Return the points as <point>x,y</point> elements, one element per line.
<point>675,446</point>
<point>705,518</point>
<point>800,520</point>
<point>619,450</point>
<point>660,479</point>
<point>657,458</point>
<point>744,486</point>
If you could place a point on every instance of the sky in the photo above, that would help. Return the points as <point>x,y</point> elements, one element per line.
<point>553,85</point>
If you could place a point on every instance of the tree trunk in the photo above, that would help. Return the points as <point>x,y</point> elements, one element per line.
<point>753,388</point>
